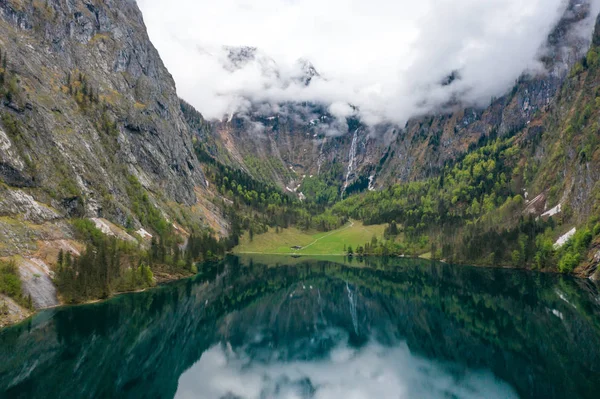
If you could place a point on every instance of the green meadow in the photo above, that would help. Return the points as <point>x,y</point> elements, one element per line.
<point>334,242</point>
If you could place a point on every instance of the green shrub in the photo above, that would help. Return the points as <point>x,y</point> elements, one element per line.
<point>583,239</point>
<point>87,231</point>
<point>574,251</point>
<point>10,284</point>
<point>597,229</point>
<point>592,58</point>
<point>568,262</point>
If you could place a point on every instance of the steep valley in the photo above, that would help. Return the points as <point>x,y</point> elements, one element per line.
<point>290,142</point>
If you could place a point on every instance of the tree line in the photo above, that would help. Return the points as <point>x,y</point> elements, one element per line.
<point>471,212</point>
<point>109,265</point>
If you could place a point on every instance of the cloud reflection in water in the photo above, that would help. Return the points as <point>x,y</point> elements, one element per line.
<point>372,371</point>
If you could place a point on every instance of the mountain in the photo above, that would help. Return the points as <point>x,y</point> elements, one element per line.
<point>90,128</point>
<point>88,107</point>
<point>296,140</point>
<point>539,141</point>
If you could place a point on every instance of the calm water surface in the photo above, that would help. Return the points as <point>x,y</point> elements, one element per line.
<point>245,328</point>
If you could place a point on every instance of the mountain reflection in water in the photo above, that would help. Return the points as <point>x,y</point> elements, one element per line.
<point>265,328</point>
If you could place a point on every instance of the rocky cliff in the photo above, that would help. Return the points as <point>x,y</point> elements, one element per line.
<point>88,107</point>
<point>90,127</point>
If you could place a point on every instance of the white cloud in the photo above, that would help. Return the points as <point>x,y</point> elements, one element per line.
<point>370,372</point>
<point>386,57</point>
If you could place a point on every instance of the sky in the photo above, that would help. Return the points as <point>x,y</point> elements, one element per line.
<point>385,58</point>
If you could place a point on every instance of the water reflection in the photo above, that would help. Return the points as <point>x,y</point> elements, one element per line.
<point>371,371</point>
<point>248,328</point>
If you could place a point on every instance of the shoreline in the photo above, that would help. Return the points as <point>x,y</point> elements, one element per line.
<point>173,278</point>
<point>479,265</point>
<point>34,312</point>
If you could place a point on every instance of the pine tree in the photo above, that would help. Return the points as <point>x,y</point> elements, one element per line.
<point>153,250</point>
<point>61,259</point>
<point>176,253</point>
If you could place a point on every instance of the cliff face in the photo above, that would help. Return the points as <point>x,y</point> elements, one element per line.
<point>88,108</point>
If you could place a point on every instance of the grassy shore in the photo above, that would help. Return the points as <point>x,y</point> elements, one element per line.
<point>334,242</point>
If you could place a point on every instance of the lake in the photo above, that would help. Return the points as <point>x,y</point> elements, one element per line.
<point>267,327</point>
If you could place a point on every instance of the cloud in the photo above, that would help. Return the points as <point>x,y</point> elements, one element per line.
<point>373,371</point>
<point>391,59</point>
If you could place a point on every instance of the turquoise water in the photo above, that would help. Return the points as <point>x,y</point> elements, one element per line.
<point>244,328</point>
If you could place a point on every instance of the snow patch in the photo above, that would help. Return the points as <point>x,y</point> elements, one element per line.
<point>554,211</point>
<point>563,239</point>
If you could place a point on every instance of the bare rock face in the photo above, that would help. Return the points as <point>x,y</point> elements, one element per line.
<point>17,202</point>
<point>37,283</point>
<point>91,106</point>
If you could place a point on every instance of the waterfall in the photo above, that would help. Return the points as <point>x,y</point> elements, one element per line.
<point>352,299</point>
<point>320,160</point>
<point>352,159</point>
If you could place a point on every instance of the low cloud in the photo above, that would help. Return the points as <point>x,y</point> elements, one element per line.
<point>391,60</point>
